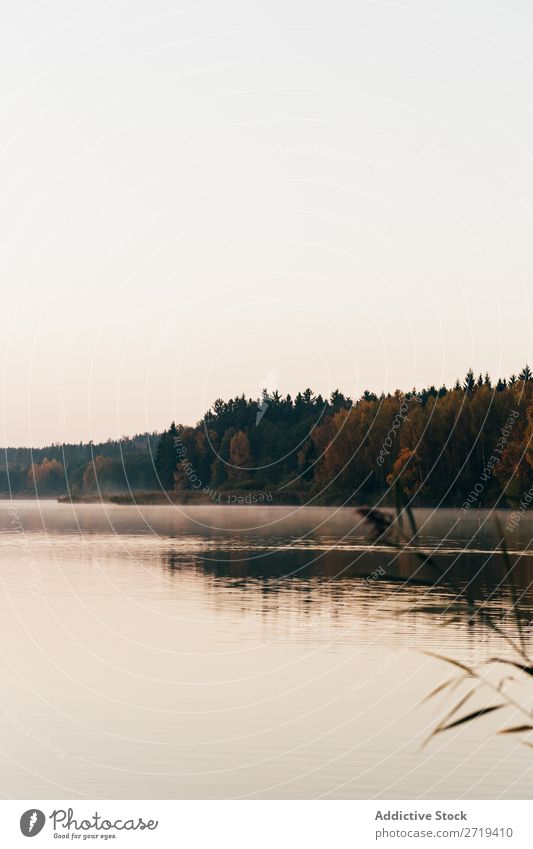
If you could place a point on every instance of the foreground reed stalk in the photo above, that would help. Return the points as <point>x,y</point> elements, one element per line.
<point>388,529</point>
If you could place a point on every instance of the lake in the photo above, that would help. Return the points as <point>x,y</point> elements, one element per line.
<point>243,652</point>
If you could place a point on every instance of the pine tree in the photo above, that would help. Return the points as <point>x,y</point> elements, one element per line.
<point>469,382</point>
<point>338,400</point>
<point>166,457</point>
<point>306,459</point>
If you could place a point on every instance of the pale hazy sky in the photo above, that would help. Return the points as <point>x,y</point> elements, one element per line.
<point>202,199</point>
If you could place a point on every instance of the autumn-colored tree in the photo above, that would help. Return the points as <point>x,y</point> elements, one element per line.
<point>513,470</point>
<point>47,477</point>
<point>99,474</point>
<point>240,456</point>
<point>182,461</point>
<point>407,472</point>
<point>347,461</point>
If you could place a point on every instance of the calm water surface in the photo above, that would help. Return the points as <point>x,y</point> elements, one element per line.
<point>214,652</point>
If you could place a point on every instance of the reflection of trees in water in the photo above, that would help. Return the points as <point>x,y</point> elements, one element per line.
<point>308,589</point>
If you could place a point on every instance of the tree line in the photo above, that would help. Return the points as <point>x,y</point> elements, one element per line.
<point>114,466</point>
<point>467,445</point>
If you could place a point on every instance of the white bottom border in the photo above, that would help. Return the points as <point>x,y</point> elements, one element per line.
<point>267,824</point>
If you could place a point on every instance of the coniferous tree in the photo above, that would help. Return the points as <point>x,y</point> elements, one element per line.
<point>306,458</point>
<point>166,457</point>
<point>469,382</point>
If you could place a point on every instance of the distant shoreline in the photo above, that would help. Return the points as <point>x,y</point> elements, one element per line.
<point>243,499</point>
<point>261,498</point>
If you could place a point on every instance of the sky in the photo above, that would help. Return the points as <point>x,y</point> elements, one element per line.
<point>202,199</point>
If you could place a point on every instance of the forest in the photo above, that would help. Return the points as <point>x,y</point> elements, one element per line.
<point>466,446</point>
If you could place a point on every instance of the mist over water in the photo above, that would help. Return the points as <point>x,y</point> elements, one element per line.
<point>182,652</point>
